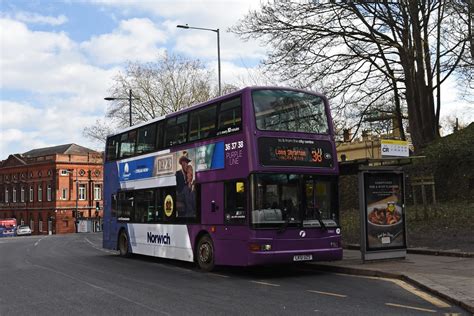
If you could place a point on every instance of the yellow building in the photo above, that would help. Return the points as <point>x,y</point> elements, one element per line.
<point>367,147</point>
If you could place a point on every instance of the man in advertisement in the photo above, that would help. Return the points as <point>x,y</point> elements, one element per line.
<point>185,193</point>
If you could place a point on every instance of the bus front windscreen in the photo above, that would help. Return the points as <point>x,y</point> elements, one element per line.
<point>283,200</point>
<point>284,110</point>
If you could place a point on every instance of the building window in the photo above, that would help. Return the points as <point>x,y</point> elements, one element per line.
<point>6,195</point>
<point>22,221</point>
<point>64,172</point>
<point>40,225</point>
<point>97,192</point>
<point>32,225</point>
<point>82,192</point>
<point>31,194</point>
<point>14,195</point>
<point>48,193</point>
<point>22,195</point>
<point>40,193</point>
<point>64,194</point>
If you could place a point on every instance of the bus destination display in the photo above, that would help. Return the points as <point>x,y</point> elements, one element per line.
<point>295,152</point>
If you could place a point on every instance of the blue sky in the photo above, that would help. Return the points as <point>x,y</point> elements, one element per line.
<point>58,58</point>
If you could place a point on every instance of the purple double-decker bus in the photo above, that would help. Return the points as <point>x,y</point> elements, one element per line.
<point>249,178</point>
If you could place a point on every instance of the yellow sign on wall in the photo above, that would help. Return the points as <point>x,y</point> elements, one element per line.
<point>394,148</point>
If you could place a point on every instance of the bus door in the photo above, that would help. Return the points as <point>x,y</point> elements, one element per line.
<point>212,206</point>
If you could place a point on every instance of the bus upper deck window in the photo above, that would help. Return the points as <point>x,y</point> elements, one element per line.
<point>146,139</point>
<point>128,143</point>
<point>230,114</point>
<point>202,123</point>
<point>112,148</point>
<point>176,130</point>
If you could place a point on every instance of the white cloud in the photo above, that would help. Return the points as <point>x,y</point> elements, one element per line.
<point>134,39</point>
<point>46,63</point>
<point>17,115</point>
<point>35,18</point>
<point>25,127</point>
<point>18,141</point>
<point>210,14</point>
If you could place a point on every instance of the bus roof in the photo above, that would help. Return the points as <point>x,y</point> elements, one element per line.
<point>213,100</point>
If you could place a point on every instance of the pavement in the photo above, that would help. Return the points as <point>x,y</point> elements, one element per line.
<point>448,275</point>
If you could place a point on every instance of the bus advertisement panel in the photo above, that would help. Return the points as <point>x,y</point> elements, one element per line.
<point>249,178</point>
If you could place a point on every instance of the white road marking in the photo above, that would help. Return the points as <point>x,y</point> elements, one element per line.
<point>265,283</point>
<point>99,248</point>
<point>219,275</point>
<point>327,293</point>
<point>36,243</point>
<point>110,292</point>
<point>412,307</point>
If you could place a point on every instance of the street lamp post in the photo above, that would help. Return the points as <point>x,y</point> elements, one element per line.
<point>129,103</point>
<point>218,48</point>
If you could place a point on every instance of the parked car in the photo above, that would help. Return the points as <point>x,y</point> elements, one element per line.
<point>23,230</point>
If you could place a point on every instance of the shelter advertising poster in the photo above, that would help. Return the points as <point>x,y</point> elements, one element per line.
<point>384,210</point>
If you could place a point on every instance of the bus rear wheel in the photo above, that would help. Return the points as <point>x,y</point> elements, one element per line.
<point>205,253</point>
<point>123,244</point>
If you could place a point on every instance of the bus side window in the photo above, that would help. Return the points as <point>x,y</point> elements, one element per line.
<point>126,204</point>
<point>176,131</point>
<point>159,135</point>
<point>230,115</point>
<point>144,206</point>
<point>235,202</point>
<point>114,205</point>
<point>112,148</point>
<point>128,143</point>
<point>157,216</point>
<point>202,123</point>
<point>146,139</point>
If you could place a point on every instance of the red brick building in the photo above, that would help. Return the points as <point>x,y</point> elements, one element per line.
<point>44,187</point>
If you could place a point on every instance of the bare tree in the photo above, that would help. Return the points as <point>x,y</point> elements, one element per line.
<point>167,85</point>
<point>366,56</point>
<point>99,131</point>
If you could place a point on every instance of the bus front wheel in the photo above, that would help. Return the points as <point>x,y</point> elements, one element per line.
<point>205,253</point>
<point>123,244</point>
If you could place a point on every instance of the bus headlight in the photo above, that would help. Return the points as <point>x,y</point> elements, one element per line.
<point>338,231</point>
<point>266,247</point>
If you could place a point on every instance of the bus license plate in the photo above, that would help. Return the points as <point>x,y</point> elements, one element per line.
<point>302,257</point>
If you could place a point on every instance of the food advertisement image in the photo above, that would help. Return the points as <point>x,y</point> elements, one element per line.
<point>384,206</point>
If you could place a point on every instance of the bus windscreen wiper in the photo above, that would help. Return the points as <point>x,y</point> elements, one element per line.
<point>284,226</point>
<point>318,215</point>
